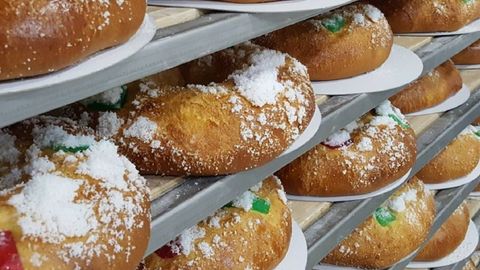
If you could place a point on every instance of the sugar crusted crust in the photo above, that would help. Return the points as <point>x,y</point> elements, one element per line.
<point>365,37</point>
<point>235,238</point>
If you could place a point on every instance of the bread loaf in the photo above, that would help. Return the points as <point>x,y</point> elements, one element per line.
<point>346,42</point>
<point>365,156</point>
<point>253,232</point>
<point>239,109</point>
<point>430,90</point>
<point>469,56</point>
<point>448,237</point>
<point>395,230</point>
<point>458,159</point>
<point>410,16</point>
<point>81,204</point>
<point>39,37</point>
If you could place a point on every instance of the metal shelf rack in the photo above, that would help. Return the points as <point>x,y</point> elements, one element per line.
<point>170,47</point>
<point>197,198</point>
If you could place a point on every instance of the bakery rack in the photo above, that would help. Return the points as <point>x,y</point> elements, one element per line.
<point>192,200</point>
<point>326,232</point>
<point>186,34</point>
<point>170,47</point>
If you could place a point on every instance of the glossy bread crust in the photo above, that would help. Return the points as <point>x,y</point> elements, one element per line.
<point>372,246</point>
<point>411,16</point>
<point>469,56</point>
<point>344,171</point>
<point>458,159</point>
<point>430,90</point>
<point>43,36</point>
<point>448,237</point>
<point>240,240</point>
<point>209,126</point>
<point>361,45</point>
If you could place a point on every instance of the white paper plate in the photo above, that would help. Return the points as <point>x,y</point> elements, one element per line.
<point>474,194</point>
<point>353,197</point>
<point>272,7</point>
<point>465,250</point>
<point>467,29</point>
<point>296,257</point>
<point>452,102</point>
<point>324,266</point>
<point>402,67</point>
<point>94,63</point>
<point>468,66</point>
<point>457,182</point>
<point>308,133</point>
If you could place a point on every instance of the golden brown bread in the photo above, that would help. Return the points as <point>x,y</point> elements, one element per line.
<point>458,159</point>
<point>233,238</point>
<point>410,16</point>
<point>469,56</point>
<point>82,206</point>
<point>39,37</point>
<point>430,90</point>
<point>346,42</point>
<point>224,120</point>
<point>476,122</point>
<point>448,237</point>
<point>406,217</point>
<point>370,154</point>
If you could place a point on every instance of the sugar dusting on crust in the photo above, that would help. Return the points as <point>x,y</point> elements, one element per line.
<point>47,209</point>
<point>357,15</point>
<point>271,95</point>
<point>97,194</point>
<point>380,128</point>
<point>96,18</point>
<point>111,97</point>
<point>203,245</point>
<point>143,129</point>
<point>8,151</point>
<point>259,82</point>
<point>411,202</point>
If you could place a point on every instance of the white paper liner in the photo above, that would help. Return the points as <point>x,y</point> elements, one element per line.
<point>467,29</point>
<point>308,133</point>
<point>95,63</point>
<point>402,67</point>
<point>452,102</point>
<point>456,182</point>
<point>296,257</point>
<point>474,194</point>
<point>468,66</point>
<point>272,7</point>
<point>465,250</point>
<point>385,189</point>
<point>324,266</point>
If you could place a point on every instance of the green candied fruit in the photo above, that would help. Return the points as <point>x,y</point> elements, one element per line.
<point>99,106</point>
<point>399,121</point>
<point>334,24</point>
<point>468,1</point>
<point>477,133</point>
<point>261,205</point>
<point>67,149</point>
<point>384,216</point>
